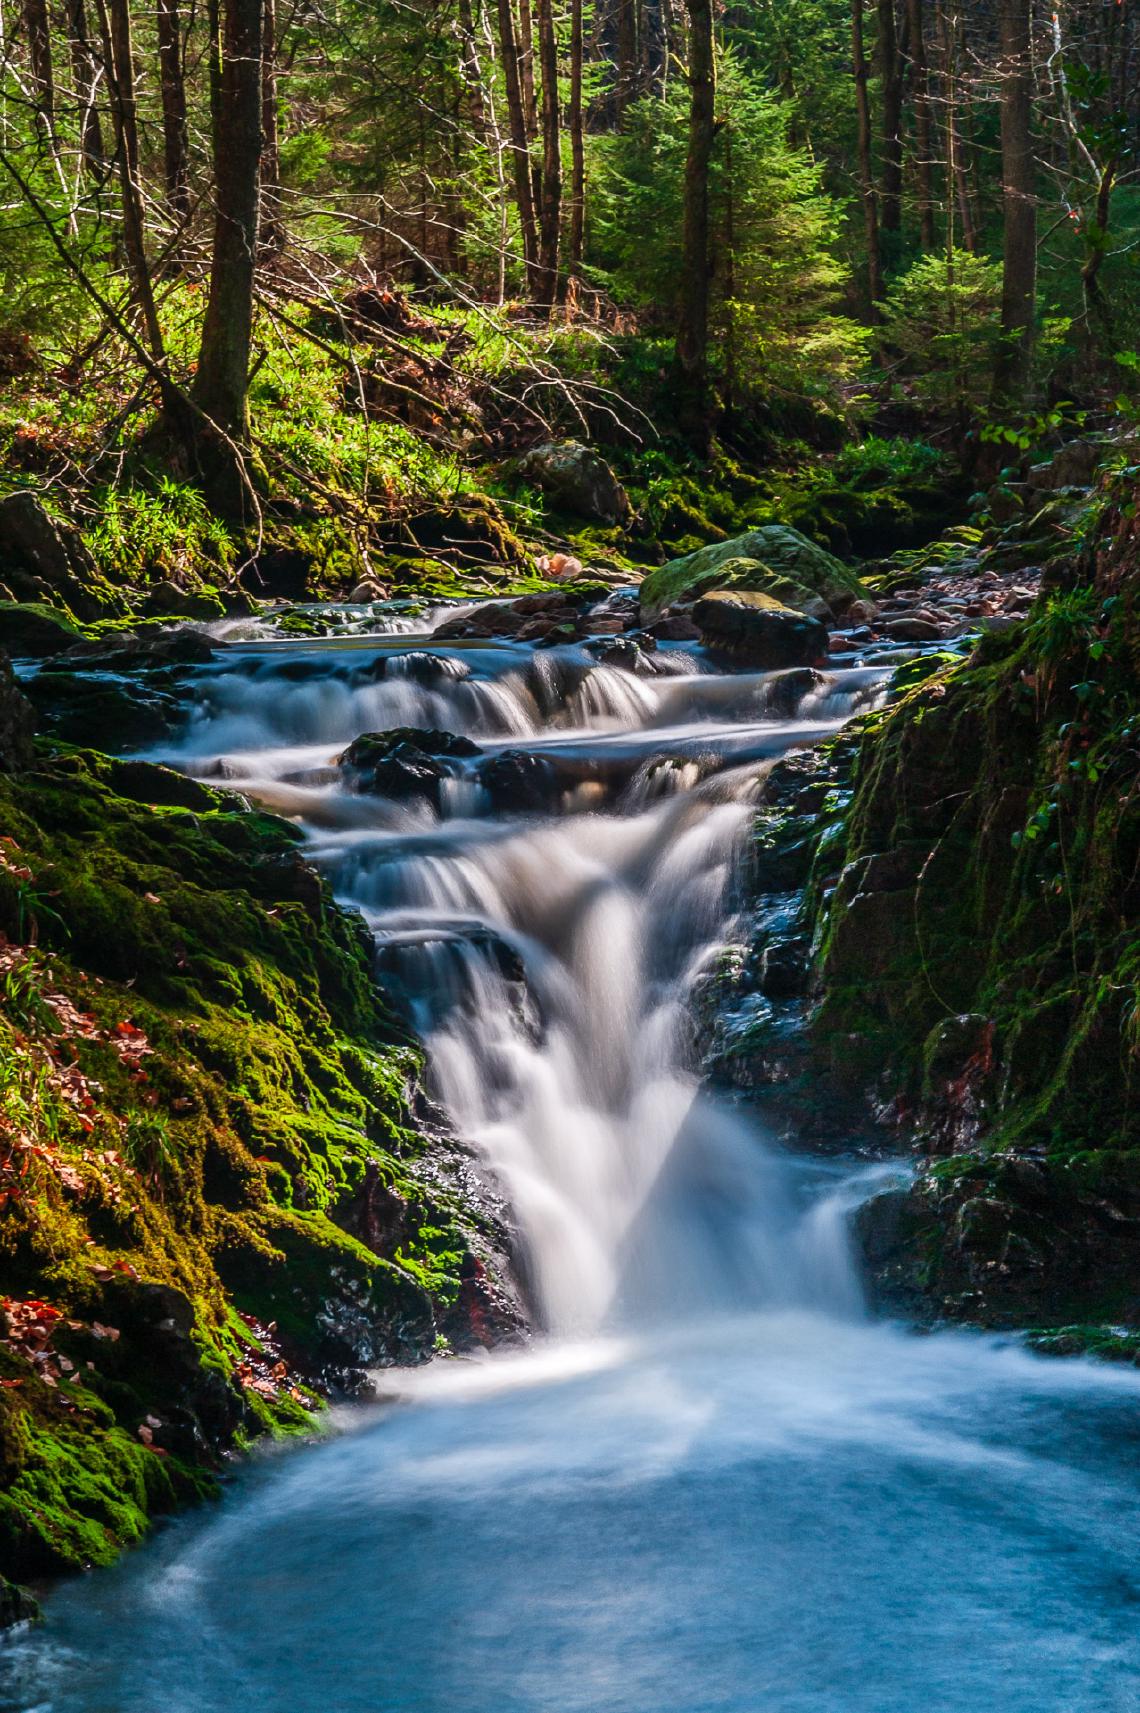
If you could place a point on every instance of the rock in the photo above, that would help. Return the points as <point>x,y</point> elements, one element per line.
<point>759,629</point>
<point>771,560</point>
<point>17,722</point>
<point>787,690</point>
<point>32,629</point>
<point>861,613</point>
<point>674,627</point>
<point>495,619</point>
<point>782,971</point>
<point>368,591</point>
<point>169,601</point>
<point>17,1606</point>
<point>1074,466</point>
<point>279,573</point>
<point>44,558</point>
<point>517,781</point>
<point>578,481</point>
<point>913,630</point>
<point>404,762</point>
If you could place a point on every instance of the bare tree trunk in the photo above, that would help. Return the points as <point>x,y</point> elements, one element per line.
<point>626,87</point>
<point>221,385</point>
<point>577,144</point>
<point>923,128</point>
<point>118,55</point>
<point>85,71</point>
<point>692,346</point>
<point>175,133</point>
<point>37,25</point>
<point>272,229</point>
<point>891,74</point>
<point>1019,197</point>
<point>867,192</point>
<point>551,205</point>
<point>520,153</point>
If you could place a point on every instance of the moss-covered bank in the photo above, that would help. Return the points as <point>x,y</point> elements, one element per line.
<point>218,1186</point>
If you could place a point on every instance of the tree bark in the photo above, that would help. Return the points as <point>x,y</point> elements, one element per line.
<point>118,54</point>
<point>84,70</point>
<point>577,145</point>
<point>175,132</point>
<point>1019,200</point>
<point>272,229</point>
<point>626,88</point>
<point>891,74</point>
<point>520,153</point>
<point>692,345</point>
<point>867,192</point>
<point>221,385</point>
<point>37,24</point>
<point>551,205</point>
<point>923,128</point>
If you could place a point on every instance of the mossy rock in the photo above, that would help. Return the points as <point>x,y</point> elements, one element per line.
<point>772,560</point>
<point>31,629</point>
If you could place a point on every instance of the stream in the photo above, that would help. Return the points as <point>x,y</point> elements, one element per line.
<point>712,1481</point>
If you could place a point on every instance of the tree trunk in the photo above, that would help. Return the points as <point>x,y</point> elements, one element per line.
<point>37,24</point>
<point>692,347</point>
<point>867,192</point>
<point>84,69</point>
<point>891,74</point>
<point>221,385</point>
<point>520,153</point>
<point>272,230</point>
<point>626,57</point>
<point>1019,267</point>
<point>175,134</point>
<point>551,206</point>
<point>577,144</point>
<point>923,128</point>
<point>118,54</point>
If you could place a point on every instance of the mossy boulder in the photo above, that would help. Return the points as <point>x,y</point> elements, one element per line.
<point>577,480</point>
<point>31,629</point>
<point>17,722</point>
<point>772,560</point>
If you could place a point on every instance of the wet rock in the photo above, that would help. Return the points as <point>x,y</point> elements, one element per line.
<point>495,619</point>
<point>759,630</point>
<point>518,782</point>
<point>170,601</point>
<point>17,722</point>
<point>369,590</point>
<point>17,1606</point>
<point>44,559</point>
<point>626,654</point>
<point>782,968</point>
<point>577,480</point>
<point>788,689</point>
<point>674,627</point>
<point>405,762</point>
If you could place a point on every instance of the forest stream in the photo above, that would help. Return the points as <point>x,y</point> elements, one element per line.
<point>712,1480</point>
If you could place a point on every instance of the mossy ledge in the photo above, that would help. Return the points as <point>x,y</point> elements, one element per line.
<point>221,1193</point>
<point>977,971</point>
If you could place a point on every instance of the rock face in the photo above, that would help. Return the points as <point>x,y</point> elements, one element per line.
<point>17,722</point>
<point>757,629</point>
<point>41,560</point>
<point>577,480</point>
<point>30,630</point>
<point>772,560</point>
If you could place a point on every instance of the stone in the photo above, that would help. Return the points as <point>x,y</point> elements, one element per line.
<point>42,558</point>
<point>861,613</point>
<point>1074,466</point>
<point>516,781</point>
<point>577,480</point>
<point>771,560</point>
<point>674,627</point>
<point>759,630</point>
<point>913,630</point>
<point>404,762</point>
<point>17,722</point>
<point>31,630</point>
<point>368,591</point>
<point>168,600</point>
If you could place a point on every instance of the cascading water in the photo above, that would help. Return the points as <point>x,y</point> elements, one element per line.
<point>715,1486</point>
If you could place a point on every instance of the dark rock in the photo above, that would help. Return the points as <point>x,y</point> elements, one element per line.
<point>31,630</point>
<point>45,559</point>
<point>577,480</point>
<point>169,601</point>
<point>674,627</point>
<point>17,722</point>
<point>758,630</point>
<point>17,1606</point>
<point>1074,466</point>
<point>404,762</point>
<point>517,781</point>
<point>913,630</point>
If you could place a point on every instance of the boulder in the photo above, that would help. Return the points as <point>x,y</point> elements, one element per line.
<point>772,560</point>
<point>518,782</point>
<point>577,480</point>
<point>914,630</point>
<point>17,722</point>
<point>170,601</point>
<point>31,630</point>
<point>759,630</point>
<point>368,591</point>
<point>1074,466</point>
<point>404,762</point>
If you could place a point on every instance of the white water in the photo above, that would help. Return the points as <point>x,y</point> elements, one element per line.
<point>714,1484</point>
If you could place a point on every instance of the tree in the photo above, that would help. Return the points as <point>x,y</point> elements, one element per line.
<point>551,203</point>
<point>221,384</point>
<point>923,129</point>
<point>867,192</point>
<point>175,130</point>
<point>692,342</point>
<point>891,79</point>
<point>1019,227</point>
